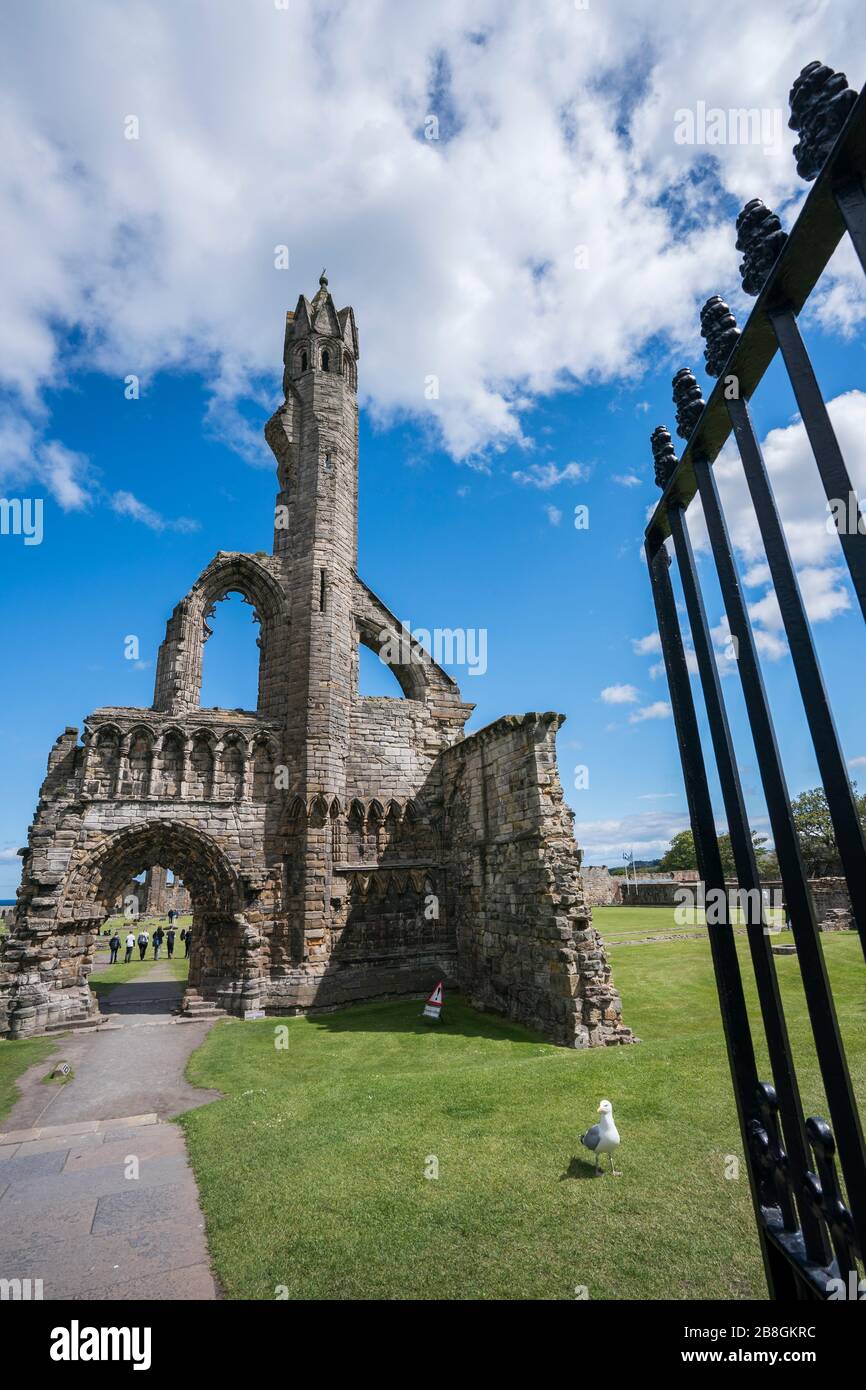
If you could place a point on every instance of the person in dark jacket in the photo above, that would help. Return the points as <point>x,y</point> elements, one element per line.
<point>187,942</point>
<point>169,942</point>
<point>157,942</point>
<point>143,939</point>
<point>114,947</point>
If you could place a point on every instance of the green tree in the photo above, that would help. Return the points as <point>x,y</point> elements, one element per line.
<point>815,828</point>
<point>680,853</point>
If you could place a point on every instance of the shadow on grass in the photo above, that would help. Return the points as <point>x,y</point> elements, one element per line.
<point>405,1016</point>
<point>580,1169</point>
<point>138,997</point>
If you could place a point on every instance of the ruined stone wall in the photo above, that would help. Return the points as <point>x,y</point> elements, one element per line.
<point>334,847</point>
<point>526,944</point>
<point>600,888</point>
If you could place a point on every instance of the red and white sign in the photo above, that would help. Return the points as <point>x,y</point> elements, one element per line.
<point>434,1003</point>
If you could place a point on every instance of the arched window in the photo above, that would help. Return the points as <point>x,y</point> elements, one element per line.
<point>375,676</point>
<point>105,763</point>
<point>139,765</point>
<point>201,769</point>
<point>172,764</point>
<point>326,360</point>
<point>263,772</point>
<point>304,361</point>
<point>232,770</point>
<point>230,663</point>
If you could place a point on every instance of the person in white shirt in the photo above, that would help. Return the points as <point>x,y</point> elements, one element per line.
<point>130,943</point>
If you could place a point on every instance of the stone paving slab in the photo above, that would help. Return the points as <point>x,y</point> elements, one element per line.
<point>195,1282</point>
<point>84,1224</point>
<point>69,1213</point>
<point>73,1129</point>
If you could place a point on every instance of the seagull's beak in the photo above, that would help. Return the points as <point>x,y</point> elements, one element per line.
<point>598,1111</point>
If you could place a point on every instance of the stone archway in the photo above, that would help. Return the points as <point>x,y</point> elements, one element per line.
<point>223,962</point>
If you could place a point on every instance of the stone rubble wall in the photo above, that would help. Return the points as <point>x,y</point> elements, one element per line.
<point>600,887</point>
<point>526,944</point>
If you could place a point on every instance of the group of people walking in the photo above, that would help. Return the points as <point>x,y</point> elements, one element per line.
<point>142,939</point>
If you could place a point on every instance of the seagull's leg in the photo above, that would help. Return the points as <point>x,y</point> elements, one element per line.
<point>597,1169</point>
<point>615,1171</point>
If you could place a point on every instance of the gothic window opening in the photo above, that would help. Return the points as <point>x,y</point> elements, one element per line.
<point>232,771</point>
<point>326,361</point>
<point>201,769</point>
<point>230,660</point>
<point>105,760</point>
<point>172,765</point>
<point>263,772</point>
<point>139,766</point>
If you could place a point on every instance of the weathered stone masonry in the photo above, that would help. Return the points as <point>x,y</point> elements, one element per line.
<point>334,847</point>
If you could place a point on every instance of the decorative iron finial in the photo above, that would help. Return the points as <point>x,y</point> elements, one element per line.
<point>820,102</point>
<point>719,328</point>
<point>664,455</point>
<point>688,401</point>
<point>323,280</point>
<point>760,238</point>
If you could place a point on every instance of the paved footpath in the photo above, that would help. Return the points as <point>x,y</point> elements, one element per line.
<point>69,1213</point>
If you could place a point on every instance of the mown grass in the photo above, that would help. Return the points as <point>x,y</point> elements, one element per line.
<point>138,970</point>
<point>652,921</point>
<point>312,1170</point>
<point>15,1058</point>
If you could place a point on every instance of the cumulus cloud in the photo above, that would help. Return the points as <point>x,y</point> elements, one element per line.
<point>812,539</point>
<point>620,695</point>
<point>554,515</point>
<point>546,475</point>
<point>626,479</point>
<point>551,232</point>
<point>647,833</point>
<point>659,709</point>
<point>127,504</point>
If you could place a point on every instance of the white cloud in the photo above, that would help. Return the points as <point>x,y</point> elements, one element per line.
<point>620,695</point>
<point>857,762</point>
<point>26,459</point>
<point>554,515</point>
<point>647,833</point>
<point>659,709</point>
<point>261,126</point>
<point>547,475</point>
<point>644,646</point>
<point>812,540</point>
<point>626,479</point>
<point>127,504</point>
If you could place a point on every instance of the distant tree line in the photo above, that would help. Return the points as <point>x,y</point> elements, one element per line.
<point>814,829</point>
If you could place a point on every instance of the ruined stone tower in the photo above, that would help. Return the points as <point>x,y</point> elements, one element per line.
<point>334,847</point>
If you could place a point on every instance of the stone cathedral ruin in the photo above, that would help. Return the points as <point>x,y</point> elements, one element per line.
<point>335,847</point>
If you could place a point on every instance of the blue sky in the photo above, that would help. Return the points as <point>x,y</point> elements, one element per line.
<point>552,377</point>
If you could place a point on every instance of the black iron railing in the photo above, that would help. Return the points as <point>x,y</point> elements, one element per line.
<point>812,1236</point>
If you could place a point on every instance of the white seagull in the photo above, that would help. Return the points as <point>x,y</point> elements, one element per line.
<point>603,1138</point>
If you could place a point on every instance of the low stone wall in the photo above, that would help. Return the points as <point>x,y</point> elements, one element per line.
<point>830,896</point>
<point>600,888</point>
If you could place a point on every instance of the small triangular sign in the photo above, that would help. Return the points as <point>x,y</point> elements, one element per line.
<point>433,1007</point>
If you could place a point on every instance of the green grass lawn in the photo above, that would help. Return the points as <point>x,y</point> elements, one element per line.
<point>15,1058</point>
<point>312,1170</point>
<point>103,980</point>
<point>614,922</point>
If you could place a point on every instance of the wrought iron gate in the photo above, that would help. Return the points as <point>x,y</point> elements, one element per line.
<point>812,1228</point>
